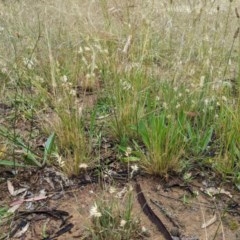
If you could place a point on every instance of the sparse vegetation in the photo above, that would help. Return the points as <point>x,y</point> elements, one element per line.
<point>112,217</point>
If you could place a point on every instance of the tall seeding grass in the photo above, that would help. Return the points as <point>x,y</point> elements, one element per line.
<point>160,77</point>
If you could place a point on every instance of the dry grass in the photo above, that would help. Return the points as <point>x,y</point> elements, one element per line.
<point>132,48</point>
<point>167,70</point>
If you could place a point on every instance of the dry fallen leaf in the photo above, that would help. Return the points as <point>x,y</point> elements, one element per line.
<point>14,207</point>
<point>17,202</point>
<point>22,231</point>
<point>14,192</point>
<point>50,182</point>
<point>211,191</point>
<point>10,187</point>
<point>20,201</point>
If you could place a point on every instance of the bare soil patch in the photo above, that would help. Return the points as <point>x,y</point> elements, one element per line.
<point>183,208</point>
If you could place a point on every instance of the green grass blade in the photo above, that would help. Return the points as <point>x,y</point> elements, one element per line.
<point>207,139</point>
<point>9,163</point>
<point>49,145</point>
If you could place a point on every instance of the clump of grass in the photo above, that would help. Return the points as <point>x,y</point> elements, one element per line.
<point>129,101</point>
<point>112,217</point>
<point>163,139</point>
<point>228,128</point>
<point>67,122</point>
<point>73,146</point>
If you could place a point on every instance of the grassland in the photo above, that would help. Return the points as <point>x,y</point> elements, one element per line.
<point>159,79</point>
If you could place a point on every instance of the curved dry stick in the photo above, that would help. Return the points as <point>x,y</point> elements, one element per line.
<point>151,215</point>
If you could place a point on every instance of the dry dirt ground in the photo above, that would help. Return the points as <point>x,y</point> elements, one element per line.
<point>183,208</point>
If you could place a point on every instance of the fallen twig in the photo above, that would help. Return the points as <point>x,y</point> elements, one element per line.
<point>151,215</point>
<point>165,213</point>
